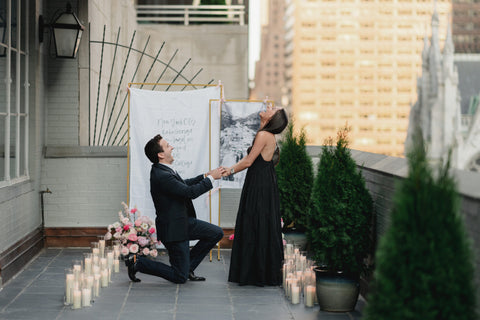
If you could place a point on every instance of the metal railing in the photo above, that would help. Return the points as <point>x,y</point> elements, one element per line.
<point>186,14</point>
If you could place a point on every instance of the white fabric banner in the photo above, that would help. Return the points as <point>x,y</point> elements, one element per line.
<point>240,122</point>
<point>182,119</point>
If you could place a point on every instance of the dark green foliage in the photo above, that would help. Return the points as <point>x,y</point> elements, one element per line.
<point>212,2</point>
<point>424,266</point>
<point>340,220</point>
<point>295,179</point>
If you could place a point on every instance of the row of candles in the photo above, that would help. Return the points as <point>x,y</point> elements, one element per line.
<point>298,276</point>
<point>87,276</point>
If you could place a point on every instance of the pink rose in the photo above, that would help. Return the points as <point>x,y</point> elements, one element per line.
<point>146,251</point>
<point>134,248</point>
<point>108,236</point>
<point>119,229</point>
<point>126,227</point>
<point>124,251</point>
<point>142,241</point>
<point>153,253</point>
<point>133,210</point>
<point>151,230</point>
<point>138,223</point>
<point>231,236</point>
<point>132,237</point>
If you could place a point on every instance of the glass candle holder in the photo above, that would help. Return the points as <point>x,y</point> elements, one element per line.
<point>87,263</point>
<point>96,284</point>
<point>86,296</point>
<point>101,245</point>
<point>69,280</point>
<point>109,254</point>
<point>76,294</point>
<point>77,266</point>
<point>95,248</point>
<point>116,265</point>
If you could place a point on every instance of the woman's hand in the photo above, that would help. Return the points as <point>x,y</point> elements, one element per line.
<point>227,171</point>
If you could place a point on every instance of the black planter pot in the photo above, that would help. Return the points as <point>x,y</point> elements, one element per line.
<point>336,292</point>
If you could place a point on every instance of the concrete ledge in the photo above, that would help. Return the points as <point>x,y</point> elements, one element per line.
<point>86,152</point>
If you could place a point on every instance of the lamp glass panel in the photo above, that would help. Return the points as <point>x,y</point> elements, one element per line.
<point>65,40</point>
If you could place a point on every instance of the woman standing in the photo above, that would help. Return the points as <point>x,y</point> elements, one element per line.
<point>257,251</point>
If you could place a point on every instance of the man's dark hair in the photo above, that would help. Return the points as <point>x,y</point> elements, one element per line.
<point>277,122</point>
<point>153,147</point>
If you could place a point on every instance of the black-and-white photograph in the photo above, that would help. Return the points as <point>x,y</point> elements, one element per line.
<point>239,123</point>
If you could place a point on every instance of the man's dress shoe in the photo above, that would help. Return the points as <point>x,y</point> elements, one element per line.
<point>130,262</point>
<point>193,277</point>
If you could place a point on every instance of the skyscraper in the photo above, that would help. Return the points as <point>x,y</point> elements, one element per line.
<point>356,62</point>
<point>466,26</point>
<point>269,70</point>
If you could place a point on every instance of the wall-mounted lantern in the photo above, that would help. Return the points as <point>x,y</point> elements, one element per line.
<point>67,32</point>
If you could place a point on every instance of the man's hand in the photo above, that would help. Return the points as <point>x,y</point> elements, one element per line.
<point>216,173</point>
<point>226,172</point>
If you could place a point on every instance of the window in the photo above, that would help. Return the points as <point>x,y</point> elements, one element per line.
<point>14,93</point>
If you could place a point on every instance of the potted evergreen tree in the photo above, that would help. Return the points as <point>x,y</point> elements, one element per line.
<point>424,264</point>
<point>295,183</point>
<point>339,226</point>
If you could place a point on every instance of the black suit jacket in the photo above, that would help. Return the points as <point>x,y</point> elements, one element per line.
<point>172,197</point>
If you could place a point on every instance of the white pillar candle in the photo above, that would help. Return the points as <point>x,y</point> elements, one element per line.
<point>69,280</point>
<point>96,269</point>
<point>101,246</point>
<point>90,280</point>
<point>310,296</point>
<point>96,251</point>
<point>103,263</point>
<point>77,299</point>
<point>110,259</point>
<point>110,274</point>
<point>116,252</point>
<point>88,266</point>
<point>104,278</point>
<point>77,269</point>
<point>116,265</point>
<point>295,295</point>
<point>287,282</point>
<point>299,276</point>
<point>289,248</point>
<point>96,285</point>
<point>86,297</point>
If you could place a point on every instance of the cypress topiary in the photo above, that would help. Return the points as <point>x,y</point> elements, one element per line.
<point>295,179</point>
<point>340,220</point>
<point>424,268</point>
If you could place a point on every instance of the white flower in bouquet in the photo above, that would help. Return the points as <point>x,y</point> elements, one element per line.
<point>136,233</point>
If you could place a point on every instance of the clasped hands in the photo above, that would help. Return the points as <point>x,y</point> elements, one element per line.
<point>219,172</point>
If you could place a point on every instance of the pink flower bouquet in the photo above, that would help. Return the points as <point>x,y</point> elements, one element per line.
<point>135,232</point>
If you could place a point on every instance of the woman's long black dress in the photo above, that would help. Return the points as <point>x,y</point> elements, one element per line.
<point>257,250</point>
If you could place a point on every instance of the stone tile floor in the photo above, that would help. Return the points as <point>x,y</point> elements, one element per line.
<point>37,293</point>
